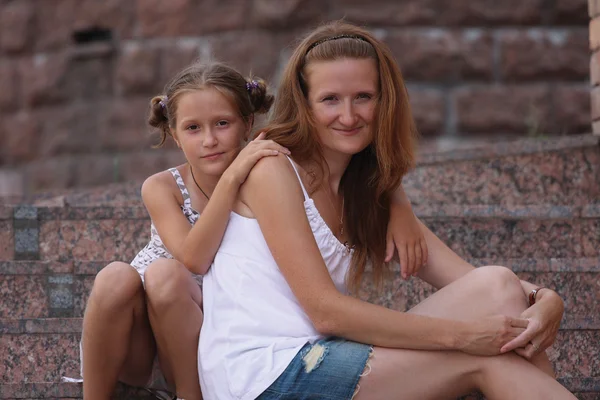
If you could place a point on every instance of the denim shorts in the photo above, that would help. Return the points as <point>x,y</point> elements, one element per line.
<point>327,369</point>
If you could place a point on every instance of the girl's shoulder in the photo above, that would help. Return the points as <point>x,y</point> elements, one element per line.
<point>163,184</point>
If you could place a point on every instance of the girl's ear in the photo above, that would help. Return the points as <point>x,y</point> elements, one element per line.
<point>174,136</point>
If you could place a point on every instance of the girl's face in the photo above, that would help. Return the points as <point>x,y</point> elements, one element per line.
<point>342,95</point>
<point>209,130</point>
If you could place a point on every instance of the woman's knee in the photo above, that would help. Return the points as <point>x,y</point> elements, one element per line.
<point>116,286</point>
<point>502,286</point>
<point>167,282</point>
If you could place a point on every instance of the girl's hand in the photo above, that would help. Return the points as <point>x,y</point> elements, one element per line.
<point>487,336</point>
<point>249,156</point>
<point>544,320</point>
<point>405,235</point>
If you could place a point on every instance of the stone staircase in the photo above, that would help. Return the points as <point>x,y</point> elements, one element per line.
<point>531,204</point>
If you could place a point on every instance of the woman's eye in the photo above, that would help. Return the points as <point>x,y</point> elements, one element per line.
<point>329,98</point>
<point>364,96</point>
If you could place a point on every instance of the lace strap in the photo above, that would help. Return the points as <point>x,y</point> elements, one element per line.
<point>187,202</point>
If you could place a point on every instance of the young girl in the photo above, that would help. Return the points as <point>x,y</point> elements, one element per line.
<point>280,319</point>
<point>208,110</point>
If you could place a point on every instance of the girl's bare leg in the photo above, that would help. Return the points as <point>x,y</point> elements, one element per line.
<point>175,308</point>
<point>409,374</point>
<point>117,340</point>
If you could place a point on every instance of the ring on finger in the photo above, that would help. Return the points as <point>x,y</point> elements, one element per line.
<point>535,346</point>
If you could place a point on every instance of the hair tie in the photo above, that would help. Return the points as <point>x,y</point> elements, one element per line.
<point>163,103</point>
<point>251,85</point>
<point>343,36</point>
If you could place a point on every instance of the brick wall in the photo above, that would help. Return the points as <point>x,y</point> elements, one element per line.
<point>594,12</point>
<point>76,75</point>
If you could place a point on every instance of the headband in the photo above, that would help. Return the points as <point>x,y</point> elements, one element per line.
<point>344,36</point>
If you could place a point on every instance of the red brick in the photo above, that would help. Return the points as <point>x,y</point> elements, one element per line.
<point>43,79</point>
<point>595,68</point>
<point>89,78</point>
<point>439,54</point>
<point>11,184</point>
<point>116,15</point>
<point>595,33</point>
<point>53,173</point>
<point>428,110</point>
<point>21,138</point>
<point>57,20</point>
<point>286,14</point>
<point>140,165</point>
<point>439,12</point>
<point>595,103</point>
<point>54,23</point>
<point>138,70</point>
<point>596,128</point>
<point>9,95</point>
<point>593,8</point>
<point>189,17</point>
<point>16,24</point>
<point>7,246</point>
<point>544,54</point>
<point>571,109</point>
<point>126,128</point>
<point>503,109</point>
<point>94,170</point>
<point>176,56</point>
<point>252,51</point>
<point>571,12</point>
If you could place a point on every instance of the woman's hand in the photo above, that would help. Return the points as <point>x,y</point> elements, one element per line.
<point>487,336</point>
<point>405,235</point>
<point>249,156</point>
<point>544,320</point>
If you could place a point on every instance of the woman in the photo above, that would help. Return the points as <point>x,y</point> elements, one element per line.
<point>287,326</point>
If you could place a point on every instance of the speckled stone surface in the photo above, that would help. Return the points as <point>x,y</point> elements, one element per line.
<point>59,390</point>
<point>90,240</point>
<point>565,177</point>
<point>23,296</point>
<point>7,246</point>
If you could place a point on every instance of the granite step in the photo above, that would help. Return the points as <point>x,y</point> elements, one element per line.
<point>527,171</point>
<point>46,289</point>
<point>473,231</point>
<point>63,390</point>
<point>44,350</point>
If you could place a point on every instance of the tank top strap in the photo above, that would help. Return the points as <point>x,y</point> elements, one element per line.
<point>306,197</point>
<point>187,201</point>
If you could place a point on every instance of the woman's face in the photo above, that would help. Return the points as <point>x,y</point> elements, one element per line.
<point>209,130</point>
<point>342,95</point>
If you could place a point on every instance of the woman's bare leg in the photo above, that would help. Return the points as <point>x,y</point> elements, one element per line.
<point>175,308</point>
<point>414,374</point>
<point>117,341</point>
<point>446,264</point>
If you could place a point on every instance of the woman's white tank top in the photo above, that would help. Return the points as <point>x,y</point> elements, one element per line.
<point>253,324</point>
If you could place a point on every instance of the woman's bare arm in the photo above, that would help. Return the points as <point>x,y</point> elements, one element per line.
<point>275,198</point>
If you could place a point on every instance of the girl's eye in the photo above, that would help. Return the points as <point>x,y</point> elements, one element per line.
<point>222,123</point>
<point>193,127</point>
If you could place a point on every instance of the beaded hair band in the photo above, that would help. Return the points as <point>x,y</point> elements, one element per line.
<point>318,42</point>
<point>251,85</point>
<point>163,103</point>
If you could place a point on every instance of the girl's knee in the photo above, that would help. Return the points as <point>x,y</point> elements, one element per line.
<point>166,282</point>
<point>116,285</point>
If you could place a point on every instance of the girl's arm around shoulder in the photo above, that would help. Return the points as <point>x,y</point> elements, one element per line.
<point>195,247</point>
<point>274,196</point>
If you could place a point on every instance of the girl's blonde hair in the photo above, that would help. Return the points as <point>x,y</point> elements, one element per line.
<point>250,96</point>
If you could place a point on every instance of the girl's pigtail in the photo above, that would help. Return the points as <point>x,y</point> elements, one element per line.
<point>158,118</point>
